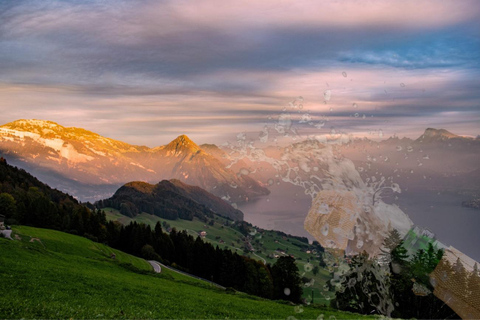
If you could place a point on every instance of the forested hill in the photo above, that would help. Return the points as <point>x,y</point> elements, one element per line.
<point>170,200</point>
<point>26,200</point>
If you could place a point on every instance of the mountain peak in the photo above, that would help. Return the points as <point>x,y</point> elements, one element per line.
<point>182,142</point>
<point>26,123</point>
<point>437,134</point>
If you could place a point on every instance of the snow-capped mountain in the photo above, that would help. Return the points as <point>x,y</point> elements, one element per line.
<point>74,160</point>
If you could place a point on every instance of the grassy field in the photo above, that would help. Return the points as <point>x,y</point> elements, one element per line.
<point>266,244</point>
<point>65,276</point>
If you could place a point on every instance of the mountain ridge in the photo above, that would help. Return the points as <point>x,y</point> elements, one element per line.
<point>84,158</point>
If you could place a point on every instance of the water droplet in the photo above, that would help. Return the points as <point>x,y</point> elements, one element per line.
<point>355,106</point>
<point>352,282</point>
<point>359,244</point>
<point>323,209</point>
<point>344,74</point>
<point>244,171</point>
<point>325,229</point>
<point>298,309</point>
<point>327,94</point>
<point>308,267</point>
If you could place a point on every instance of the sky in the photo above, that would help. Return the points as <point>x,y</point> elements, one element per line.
<point>145,71</point>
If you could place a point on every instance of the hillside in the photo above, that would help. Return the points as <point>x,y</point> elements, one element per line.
<point>87,283</point>
<point>263,245</point>
<point>83,162</point>
<point>169,199</point>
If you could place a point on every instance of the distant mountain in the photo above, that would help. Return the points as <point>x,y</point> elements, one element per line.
<point>432,134</point>
<point>74,159</point>
<point>169,199</point>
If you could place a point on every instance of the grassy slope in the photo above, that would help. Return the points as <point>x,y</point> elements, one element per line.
<point>268,243</point>
<point>69,276</point>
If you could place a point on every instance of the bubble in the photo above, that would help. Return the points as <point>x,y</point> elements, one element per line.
<point>270,182</point>
<point>308,267</point>
<point>305,118</point>
<point>359,244</point>
<point>355,106</point>
<point>320,124</point>
<point>325,229</point>
<point>320,317</point>
<point>426,157</point>
<point>286,291</point>
<point>332,318</point>
<point>331,109</point>
<point>323,209</point>
<point>241,136</point>
<point>291,318</point>
<point>396,268</point>
<point>234,205</point>
<point>402,85</point>
<point>410,149</point>
<point>327,94</point>
<point>298,309</point>
<point>356,115</point>
<point>364,116</point>
<point>344,74</point>
<point>244,171</point>
<point>399,148</point>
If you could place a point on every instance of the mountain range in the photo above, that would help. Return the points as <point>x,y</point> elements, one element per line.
<point>92,167</point>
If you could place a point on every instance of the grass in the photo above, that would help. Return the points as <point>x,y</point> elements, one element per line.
<point>66,276</point>
<point>266,243</point>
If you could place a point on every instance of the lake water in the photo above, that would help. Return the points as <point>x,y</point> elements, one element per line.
<point>286,207</point>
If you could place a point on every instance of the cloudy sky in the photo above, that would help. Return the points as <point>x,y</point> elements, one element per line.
<point>146,71</point>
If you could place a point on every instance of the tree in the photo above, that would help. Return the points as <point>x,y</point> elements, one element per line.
<point>365,288</point>
<point>286,280</point>
<point>8,205</point>
<point>394,251</point>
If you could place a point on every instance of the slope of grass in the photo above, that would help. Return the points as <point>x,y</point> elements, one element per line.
<point>266,243</point>
<point>66,276</point>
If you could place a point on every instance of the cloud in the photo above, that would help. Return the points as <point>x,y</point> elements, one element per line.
<point>209,66</point>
